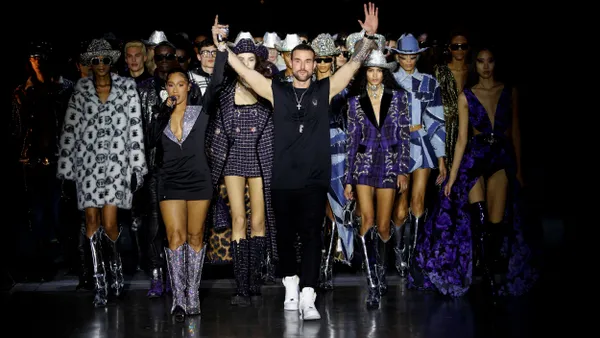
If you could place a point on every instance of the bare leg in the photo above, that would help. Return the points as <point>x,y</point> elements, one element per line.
<point>257,206</point>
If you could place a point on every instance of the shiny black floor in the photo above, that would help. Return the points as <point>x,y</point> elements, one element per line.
<point>55,310</point>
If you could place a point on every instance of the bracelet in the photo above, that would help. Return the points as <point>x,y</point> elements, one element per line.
<point>370,37</point>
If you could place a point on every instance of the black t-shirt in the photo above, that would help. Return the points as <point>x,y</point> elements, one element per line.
<point>302,157</point>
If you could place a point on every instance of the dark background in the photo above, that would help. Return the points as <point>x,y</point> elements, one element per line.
<point>512,28</point>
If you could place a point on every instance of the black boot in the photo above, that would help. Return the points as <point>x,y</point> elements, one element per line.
<point>326,270</point>
<point>100,298</point>
<point>116,267</point>
<point>368,245</point>
<point>485,248</point>
<point>401,246</point>
<point>240,270</point>
<point>257,246</point>
<point>478,221</point>
<point>382,254</point>
<point>416,225</point>
<point>86,268</point>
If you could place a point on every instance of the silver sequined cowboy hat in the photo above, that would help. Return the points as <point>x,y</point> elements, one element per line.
<point>324,45</point>
<point>155,38</point>
<point>377,59</point>
<point>99,47</point>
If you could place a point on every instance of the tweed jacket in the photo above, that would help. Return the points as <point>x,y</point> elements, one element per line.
<point>378,152</point>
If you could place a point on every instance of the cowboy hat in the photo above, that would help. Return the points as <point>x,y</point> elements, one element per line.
<point>99,47</point>
<point>287,44</point>
<point>407,44</point>
<point>324,45</point>
<point>377,59</point>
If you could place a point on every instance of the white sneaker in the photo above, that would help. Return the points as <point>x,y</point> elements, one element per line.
<point>307,308</point>
<point>291,292</point>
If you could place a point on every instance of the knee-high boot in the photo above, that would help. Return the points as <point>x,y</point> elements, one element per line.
<point>86,275</point>
<point>240,271</point>
<point>116,267</point>
<point>483,245</point>
<point>101,290</point>
<point>176,261</point>
<point>368,244</point>
<point>326,275</point>
<point>382,254</point>
<point>416,225</point>
<point>401,246</point>
<point>195,262</point>
<point>268,270</point>
<point>257,246</point>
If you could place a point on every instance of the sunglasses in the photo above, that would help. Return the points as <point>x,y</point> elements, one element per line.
<point>345,54</point>
<point>168,57</point>
<point>181,59</point>
<point>207,53</point>
<point>105,60</point>
<point>326,60</point>
<point>461,46</point>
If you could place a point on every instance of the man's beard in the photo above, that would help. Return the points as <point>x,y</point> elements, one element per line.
<point>302,78</point>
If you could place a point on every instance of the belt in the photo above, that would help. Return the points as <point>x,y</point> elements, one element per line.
<point>415,127</point>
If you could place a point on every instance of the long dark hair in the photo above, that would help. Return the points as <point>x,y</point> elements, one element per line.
<point>359,84</point>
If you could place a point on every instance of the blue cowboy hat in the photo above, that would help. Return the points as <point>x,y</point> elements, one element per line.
<point>407,44</point>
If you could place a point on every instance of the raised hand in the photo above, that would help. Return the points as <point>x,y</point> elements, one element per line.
<point>371,19</point>
<point>217,29</point>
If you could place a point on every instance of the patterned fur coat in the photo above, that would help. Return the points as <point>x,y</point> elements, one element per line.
<point>101,146</point>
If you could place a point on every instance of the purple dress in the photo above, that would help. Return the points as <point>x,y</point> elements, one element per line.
<point>443,257</point>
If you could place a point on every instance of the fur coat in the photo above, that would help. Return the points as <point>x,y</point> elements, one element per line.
<point>102,145</point>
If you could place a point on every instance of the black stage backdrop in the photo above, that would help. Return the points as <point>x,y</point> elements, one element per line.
<point>509,26</point>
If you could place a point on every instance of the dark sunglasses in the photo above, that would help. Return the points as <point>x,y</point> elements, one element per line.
<point>181,59</point>
<point>168,57</point>
<point>104,60</point>
<point>345,54</point>
<point>326,60</point>
<point>461,46</point>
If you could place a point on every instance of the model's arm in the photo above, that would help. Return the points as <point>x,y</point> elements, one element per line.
<point>260,84</point>
<point>363,48</point>
<point>461,140</point>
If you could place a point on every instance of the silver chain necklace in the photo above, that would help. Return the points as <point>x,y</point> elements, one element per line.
<point>299,102</point>
<point>299,106</point>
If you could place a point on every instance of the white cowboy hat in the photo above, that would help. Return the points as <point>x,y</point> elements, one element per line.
<point>287,44</point>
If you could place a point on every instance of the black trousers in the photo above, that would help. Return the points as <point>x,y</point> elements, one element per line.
<point>300,212</point>
<point>146,207</point>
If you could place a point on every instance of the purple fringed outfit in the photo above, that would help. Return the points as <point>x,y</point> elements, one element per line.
<point>443,257</point>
